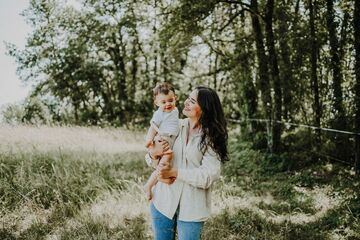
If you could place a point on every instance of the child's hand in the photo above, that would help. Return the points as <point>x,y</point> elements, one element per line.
<point>149,143</point>
<point>158,148</point>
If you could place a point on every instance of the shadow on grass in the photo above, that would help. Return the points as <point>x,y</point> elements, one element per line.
<point>245,224</point>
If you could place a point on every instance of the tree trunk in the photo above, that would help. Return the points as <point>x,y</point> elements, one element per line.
<point>164,62</point>
<point>339,121</point>
<point>338,108</point>
<point>344,37</point>
<point>286,66</point>
<point>134,70</point>
<point>357,84</point>
<point>244,85</point>
<point>119,53</point>
<point>155,46</point>
<point>274,70</point>
<point>264,81</point>
<point>313,76</point>
<point>215,71</point>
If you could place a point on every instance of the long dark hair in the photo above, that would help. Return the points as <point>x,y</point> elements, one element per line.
<point>213,123</point>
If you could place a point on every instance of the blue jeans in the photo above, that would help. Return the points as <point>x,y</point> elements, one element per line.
<point>165,228</point>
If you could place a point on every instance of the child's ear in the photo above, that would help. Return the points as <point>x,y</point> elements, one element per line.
<point>156,103</point>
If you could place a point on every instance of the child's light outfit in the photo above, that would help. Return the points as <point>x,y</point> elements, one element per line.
<point>168,124</point>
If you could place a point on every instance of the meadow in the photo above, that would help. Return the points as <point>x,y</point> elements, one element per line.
<point>86,183</point>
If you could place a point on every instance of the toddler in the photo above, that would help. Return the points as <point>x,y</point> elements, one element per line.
<point>164,125</point>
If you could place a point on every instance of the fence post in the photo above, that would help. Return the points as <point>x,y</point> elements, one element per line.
<point>269,136</point>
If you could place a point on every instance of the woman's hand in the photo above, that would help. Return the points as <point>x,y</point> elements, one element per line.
<point>166,172</point>
<point>159,147</point>
<point>167,180</point>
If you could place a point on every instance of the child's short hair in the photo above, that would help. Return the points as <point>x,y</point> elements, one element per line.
<point>163,88</point>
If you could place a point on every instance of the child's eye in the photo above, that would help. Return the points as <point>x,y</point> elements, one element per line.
<point>171,100</point>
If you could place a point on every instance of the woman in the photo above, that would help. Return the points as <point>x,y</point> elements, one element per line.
<point>182,197</point>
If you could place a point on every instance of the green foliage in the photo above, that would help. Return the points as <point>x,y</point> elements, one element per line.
<point>269,177</point>
<point>96,65</point>
<point>12,113</point>
<point>48,179</point>
<point>245,224</point>
<point>7,234</point>
<point>36,112</point>
<point>62,183</point>
<point>243,160</point>
<point>297,151</point>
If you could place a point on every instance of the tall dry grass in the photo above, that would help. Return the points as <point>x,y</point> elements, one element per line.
<point>86,183</point>
<point>87,139</point>
<point>63,182</point>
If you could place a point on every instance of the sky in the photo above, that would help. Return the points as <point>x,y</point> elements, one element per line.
<point>13,29</point>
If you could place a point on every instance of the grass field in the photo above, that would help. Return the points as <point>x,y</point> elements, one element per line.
<point>86,183</point>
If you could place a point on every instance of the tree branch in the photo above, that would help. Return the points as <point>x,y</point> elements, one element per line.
<point>235,2</point>
<point>211,47</point>
<point>231,20</point>
<point>246,7</point>
<point>213,72</point>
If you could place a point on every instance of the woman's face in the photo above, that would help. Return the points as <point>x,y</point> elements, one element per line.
<point>192,108</point>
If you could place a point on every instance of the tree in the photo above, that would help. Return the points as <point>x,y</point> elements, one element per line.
<point>275,75</point>
<point>357,84</point>
<point>264,81</point>
<point>290,60</point>
<point>339,121</point>
<point>314,77</point>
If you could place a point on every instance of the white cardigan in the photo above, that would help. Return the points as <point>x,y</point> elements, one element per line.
<point>192,189</point>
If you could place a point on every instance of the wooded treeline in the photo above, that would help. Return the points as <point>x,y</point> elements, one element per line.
<point>296,61</point>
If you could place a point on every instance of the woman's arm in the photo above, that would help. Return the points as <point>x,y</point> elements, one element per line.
<point>201,177</point>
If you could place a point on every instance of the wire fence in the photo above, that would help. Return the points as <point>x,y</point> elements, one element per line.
<point>344,145</point>
<point>294,125</point>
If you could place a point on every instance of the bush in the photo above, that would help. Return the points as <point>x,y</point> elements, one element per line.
<point>32,111</point>
<point>13,113</point>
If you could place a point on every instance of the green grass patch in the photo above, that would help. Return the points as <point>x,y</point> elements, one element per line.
<point>260,174</point>
<point>246,224</point>
<point>44,194</point>
<point>60,185</point>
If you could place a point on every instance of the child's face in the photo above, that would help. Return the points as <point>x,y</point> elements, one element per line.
<point>166,102</point>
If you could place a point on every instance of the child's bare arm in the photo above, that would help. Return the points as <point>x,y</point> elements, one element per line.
<point>150,136</point>
<point>153,130</point>
<point>165,160</point>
